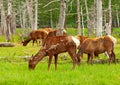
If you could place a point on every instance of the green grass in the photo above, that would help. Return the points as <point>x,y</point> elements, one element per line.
<point>18,74</point>
<point>14,68</point>
<point>14,71</point>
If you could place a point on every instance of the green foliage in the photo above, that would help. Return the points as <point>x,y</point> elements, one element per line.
<point>71,31</point>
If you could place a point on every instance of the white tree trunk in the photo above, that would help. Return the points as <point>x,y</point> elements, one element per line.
<point>88,19</point>
<point>8,22</point>
<point>3,19</point>
<point>82,21</point>
<point>24,16</point>
<point>0,4</point>
<point>60,25</point>
<point>99,18</point>
<point>30,13</point>
<point>110,19</point>
<point>51,21</point>
<point>117,15</point>
<point>36,14</point>
<point>13,23</point>
<point>94,17</point>
<point>78,17</point>
<point>21,22</point>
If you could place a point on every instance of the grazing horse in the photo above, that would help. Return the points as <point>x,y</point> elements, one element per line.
<point>81,38</point>
<point>96,46</point>
<point>53,46</point>
<point>37,34</point>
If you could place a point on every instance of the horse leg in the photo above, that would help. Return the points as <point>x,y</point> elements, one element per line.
<point>49,63</point>
<point>92,56</point>
<point>36,42</point>
<point>88,59</point>
<point>110,56</point>
<point>72,55</point>
<point>79,59</point>
<point>33,43</point>
<point>113,56</point>
<point>56,59</point>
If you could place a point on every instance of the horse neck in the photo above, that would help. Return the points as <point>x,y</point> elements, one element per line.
<point>39,56</point>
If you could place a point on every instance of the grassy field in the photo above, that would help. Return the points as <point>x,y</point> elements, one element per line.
<point>17,73</point>
<point>14,68</point>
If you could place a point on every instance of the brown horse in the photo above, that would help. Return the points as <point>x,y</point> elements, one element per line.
<point>52,47</point>
<point>53,33</point>
<point>37,34</point>
<point>96,46</point>
<point>81,38</point>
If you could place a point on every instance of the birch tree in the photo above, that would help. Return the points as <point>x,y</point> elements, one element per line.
<point>3,19</point>
<point>82,32</point>
<point>99,18</point>
<point>30,13</point>
<point>24,15</point>
<point>109,28</point>
<point>88,19</point>
<point>8,19</point>
<point>60,25</point>
<point>117,15</point>
<point>78,17</point>
<point>51,21</point>
<point>36,14</point>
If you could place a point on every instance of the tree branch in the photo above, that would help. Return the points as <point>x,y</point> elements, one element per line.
<point>50,3</point>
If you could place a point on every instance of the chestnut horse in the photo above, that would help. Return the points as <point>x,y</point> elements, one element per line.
<point>52,47</point>
<point>96,46</point>
<point>37,34</point>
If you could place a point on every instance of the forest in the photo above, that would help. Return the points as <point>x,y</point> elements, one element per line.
<point>98,16</point>
<point>43,42</point>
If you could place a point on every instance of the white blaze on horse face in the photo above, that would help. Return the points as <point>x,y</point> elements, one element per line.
<point>113,39</point>
<point>76,41</point>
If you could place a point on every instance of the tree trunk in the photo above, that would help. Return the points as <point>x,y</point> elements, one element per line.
<point>24,16</point>
<point>3,20</point>
<point>36,14</point>
<point>94,17</point>
<point>99,18</point>
<point>51,21</point>
<point>30,13</point>
<point>117,15</point>
<point>82,21</point>
<point>60,25</point>
<point>78,17</point>
<point>13,23</point>
<point>88,19</point>
<point>8,21</point>
<point>110,19</point>
<point>6,44</point>
<point>21,17</point>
